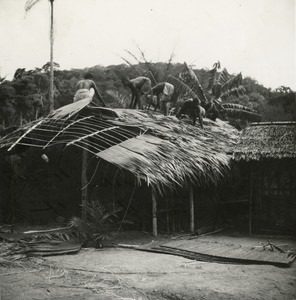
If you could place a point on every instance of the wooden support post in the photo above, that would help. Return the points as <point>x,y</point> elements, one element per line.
<point>173,212</point>
<point>167,214</point>
<point>154,213</point>
<point>191,208</point>
<point>250,202</point>
<point>84,181</point>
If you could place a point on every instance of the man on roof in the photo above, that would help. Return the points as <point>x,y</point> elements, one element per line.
<point>193,109</point>
<point>139,86</point>
<point>164,92</point>
<point>86,88</point>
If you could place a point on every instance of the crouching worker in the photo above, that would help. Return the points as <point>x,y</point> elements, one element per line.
<point>193,109</point>
<point>164,92</point>
<point>139,86</point>
<point>86,88</point>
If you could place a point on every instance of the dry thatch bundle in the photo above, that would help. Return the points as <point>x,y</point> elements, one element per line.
<point>267,140</point>
<point>159,150</point>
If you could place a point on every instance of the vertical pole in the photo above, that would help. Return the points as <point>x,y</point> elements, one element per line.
<point>84,182</point>
<point>250,201</point>
<point>12,196</point>
<point>167,215</point>
<point>51,101</point>
<point>154,214</point>
<point>191,208</point>
<point>173,212</point>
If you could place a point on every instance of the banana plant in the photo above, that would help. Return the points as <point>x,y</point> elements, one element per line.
<point>221,88</point>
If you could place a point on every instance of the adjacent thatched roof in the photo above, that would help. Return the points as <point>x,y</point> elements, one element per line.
<point>267,140</point>
<point>160,150</point>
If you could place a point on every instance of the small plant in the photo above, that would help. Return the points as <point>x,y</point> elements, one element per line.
<point>97,222</point>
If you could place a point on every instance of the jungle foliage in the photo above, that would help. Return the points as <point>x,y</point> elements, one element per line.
<point>26,97</point>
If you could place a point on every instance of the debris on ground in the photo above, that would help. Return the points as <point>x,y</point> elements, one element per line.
<point>208,251</point>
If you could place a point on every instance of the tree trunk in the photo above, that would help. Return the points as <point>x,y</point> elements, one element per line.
<point>51,94</point>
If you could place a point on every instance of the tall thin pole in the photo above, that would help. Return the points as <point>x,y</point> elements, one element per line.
<point>251,201</point>
<point>84,182</point>
<point>191,208</point>
<point>51,94</point>
<point>154,213</point>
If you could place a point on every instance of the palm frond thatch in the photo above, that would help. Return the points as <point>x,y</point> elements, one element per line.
<point>156,149</point>
<point>274,140</point>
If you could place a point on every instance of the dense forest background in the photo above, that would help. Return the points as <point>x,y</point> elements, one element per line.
<point>25,97</point>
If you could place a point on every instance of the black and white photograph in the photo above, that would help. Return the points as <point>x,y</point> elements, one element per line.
<point>147,149</point>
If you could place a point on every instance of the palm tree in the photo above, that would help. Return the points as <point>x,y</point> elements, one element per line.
<point>28,6</point>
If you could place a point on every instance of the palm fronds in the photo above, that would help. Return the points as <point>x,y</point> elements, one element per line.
<point>212,76</point>
<point>241,112</point>
<point>181,87</point>
<point>120,99</point>
<point>195,85</point>
<point>29,4</point>
<point>94,226</point>
<point>223,77</point>
<point>232,83</point>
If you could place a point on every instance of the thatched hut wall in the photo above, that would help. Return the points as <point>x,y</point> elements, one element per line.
<point>266,154</point>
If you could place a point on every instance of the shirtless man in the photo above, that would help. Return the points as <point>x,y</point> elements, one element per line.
<point>139,86</point>
<point>164,92</point>
<point>193,109</point>
<point>87,88</point>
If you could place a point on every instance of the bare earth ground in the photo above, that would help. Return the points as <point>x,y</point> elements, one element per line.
<point>117,273</point>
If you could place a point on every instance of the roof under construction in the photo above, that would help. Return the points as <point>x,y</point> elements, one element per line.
<point>157,149</point>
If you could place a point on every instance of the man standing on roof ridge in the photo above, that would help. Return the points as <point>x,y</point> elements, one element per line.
<point>86,88</point>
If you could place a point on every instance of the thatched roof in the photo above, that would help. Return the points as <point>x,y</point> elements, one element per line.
<point>160,150</point>
<point>267,140</point>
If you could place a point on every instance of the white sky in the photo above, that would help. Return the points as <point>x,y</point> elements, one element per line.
<point>256,37</point>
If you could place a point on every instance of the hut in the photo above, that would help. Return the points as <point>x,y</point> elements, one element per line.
<point>266,156</point>
<point>140,155</point>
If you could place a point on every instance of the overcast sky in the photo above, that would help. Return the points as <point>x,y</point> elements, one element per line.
<point>255,37</point>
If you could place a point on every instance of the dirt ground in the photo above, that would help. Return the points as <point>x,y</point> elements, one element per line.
<point>117,273</point>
